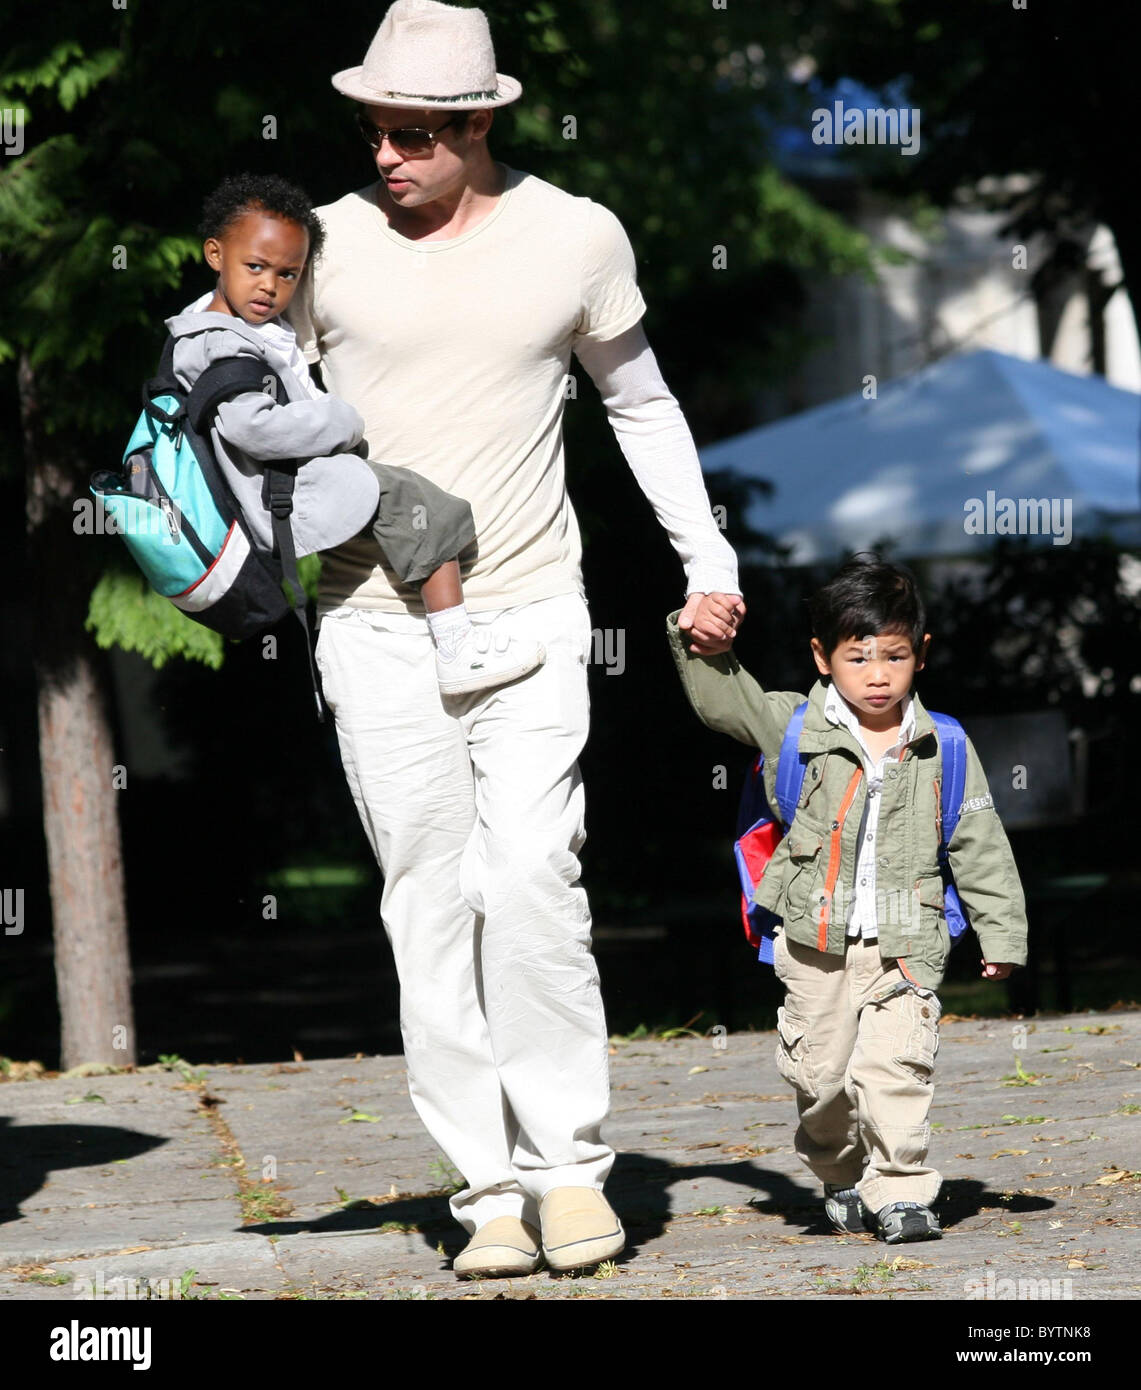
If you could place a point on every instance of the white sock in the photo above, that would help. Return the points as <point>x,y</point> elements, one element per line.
<point>448,627</point>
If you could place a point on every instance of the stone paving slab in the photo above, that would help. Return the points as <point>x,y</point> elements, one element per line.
<point>99,1163</point>
<point>342,1195</point>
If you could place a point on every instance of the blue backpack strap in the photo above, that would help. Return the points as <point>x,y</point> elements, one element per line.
<point>789,781</point>
<point>790,768</point>
<point>953,784</point>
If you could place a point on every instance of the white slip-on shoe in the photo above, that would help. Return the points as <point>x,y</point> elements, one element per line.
<point>579,1228</point>
<point>503,1247</point>
<point>485,659</point>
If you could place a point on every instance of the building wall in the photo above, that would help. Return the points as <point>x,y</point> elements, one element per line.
<point>960,291</point>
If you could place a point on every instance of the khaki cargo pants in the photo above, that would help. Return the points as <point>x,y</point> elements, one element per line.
<point>857,1041</point>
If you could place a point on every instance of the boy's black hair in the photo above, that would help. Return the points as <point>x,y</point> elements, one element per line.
<point>864,597</point>
<point>243,193</point>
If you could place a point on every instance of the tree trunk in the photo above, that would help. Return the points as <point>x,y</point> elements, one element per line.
<point>81,814</point>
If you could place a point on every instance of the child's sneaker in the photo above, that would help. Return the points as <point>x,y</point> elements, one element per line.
<point>482,660</point>
<point>845,1209</point>
<point>904,1221</point>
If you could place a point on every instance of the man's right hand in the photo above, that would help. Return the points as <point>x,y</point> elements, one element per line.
<point>712,621</point>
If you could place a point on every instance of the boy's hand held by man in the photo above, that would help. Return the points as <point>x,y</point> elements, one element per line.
<point>996,970</point>
<point>711,621</point>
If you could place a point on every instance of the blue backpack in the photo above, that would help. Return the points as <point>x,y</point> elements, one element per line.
<point>180,520</point>
<point>759,831</point>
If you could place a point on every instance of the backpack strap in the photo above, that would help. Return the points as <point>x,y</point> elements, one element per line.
<point>229,376</point>
<point>163,383</point>
<point>790,768</point>
<point>952,788</point>
<point>277,494</point>
<point>234,376</point>
<point>163,379</point>
<point>953,784</point>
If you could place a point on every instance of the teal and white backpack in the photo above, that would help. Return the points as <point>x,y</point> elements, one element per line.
<point>180,520</point>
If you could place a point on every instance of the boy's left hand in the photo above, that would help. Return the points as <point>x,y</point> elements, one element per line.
<point>996,970</point>
<point>711,620</point>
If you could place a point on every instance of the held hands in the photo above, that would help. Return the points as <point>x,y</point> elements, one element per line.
<point>996,971</point>
<point>712,621</point>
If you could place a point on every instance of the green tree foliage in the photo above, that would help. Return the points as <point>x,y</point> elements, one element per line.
<point>653,109</point>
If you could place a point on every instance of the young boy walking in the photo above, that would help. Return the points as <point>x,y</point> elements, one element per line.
<point>258,234</point>
<point>863,942</point>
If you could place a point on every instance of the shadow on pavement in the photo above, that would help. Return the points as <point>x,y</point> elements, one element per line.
<point>29,1153</point>
<point>638,1189</point>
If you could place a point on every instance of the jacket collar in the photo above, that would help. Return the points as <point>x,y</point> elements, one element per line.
<point>202,321</point>
<point>820,735</point>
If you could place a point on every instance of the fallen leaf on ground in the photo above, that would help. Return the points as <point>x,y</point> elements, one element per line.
<point>1014,1153</point>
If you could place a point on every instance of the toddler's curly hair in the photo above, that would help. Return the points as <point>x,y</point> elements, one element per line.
<point>243,193</point>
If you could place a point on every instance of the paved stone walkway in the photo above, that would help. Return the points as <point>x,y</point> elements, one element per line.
<point>316,1179</point>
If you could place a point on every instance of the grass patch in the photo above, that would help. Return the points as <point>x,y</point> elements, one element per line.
<point>661,1032</point>
<point>320,876</point>
<point>1020,1077</point>
<point>447,1179</point>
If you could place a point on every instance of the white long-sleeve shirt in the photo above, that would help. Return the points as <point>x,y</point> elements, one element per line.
<point>657,444</point>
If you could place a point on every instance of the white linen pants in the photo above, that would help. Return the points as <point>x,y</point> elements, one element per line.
<point>473,805</point>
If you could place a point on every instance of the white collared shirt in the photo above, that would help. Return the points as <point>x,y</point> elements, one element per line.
<point>863,915</point>
<point>280,342</point>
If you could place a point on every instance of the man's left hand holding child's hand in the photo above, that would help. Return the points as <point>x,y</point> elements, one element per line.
<point>712,621</point>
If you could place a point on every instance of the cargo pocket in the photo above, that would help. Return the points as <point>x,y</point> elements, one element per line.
<point>918,1044</point>
<point>792,1057</point>
<point>779,945</point>
<point>802,872</point>
<point>928,897</point>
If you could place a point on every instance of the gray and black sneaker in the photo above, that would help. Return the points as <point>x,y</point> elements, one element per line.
<point>905,1221</point>
<point>845,1210</point>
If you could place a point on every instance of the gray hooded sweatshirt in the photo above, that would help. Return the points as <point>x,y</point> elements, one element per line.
<point>336,493</point>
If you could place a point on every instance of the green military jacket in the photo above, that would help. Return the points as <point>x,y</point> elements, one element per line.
<point>808,881</point>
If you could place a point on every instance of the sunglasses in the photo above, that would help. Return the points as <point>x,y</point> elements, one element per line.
<point>408,141</point>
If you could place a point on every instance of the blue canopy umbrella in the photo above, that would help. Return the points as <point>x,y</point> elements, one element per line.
<point>947,459</point>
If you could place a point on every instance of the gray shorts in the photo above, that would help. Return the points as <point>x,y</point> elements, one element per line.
<point>418,525</point>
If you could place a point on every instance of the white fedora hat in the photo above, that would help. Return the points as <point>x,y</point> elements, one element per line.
<point>428,54</point>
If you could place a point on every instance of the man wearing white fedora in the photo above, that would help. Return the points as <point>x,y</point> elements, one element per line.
<point>445,307</point>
